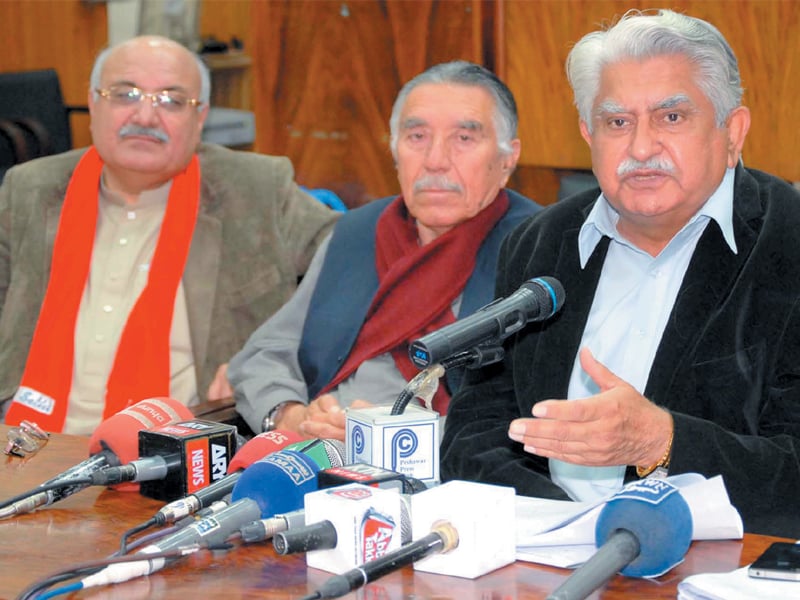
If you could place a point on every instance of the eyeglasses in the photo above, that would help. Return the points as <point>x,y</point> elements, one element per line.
<point>25,439</point>
<point>129,95</point>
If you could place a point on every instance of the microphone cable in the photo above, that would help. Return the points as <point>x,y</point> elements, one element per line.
<point>11,506</point>
<point>36,589</point>
<point>424,383</point>
<point>125,546</point>
<point>123,541</point>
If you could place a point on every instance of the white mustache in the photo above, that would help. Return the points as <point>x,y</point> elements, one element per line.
<point>654,164</point>
<point>436,182</point>
<point>152,132</point>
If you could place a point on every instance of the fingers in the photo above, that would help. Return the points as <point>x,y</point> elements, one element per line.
<point>603,377</point>
<point>326,418</point>
<point>326,410</point>
<point>220,387</point>
<point>616,427</point>
<point>291,417</point>
<point>326,403</point>
<point>561,439</point>
<point>323,430</point>
<point>361,404</point>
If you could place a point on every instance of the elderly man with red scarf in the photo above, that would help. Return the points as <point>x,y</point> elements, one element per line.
<point>395,268</point>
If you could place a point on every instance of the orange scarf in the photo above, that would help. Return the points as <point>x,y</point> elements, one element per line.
<point>417,286</point>
<point>141,366</point>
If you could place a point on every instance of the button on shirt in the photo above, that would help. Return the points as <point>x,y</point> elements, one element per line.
<point>633,300</point>
<point>125,240</point>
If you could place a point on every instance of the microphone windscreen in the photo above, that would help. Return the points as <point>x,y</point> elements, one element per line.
<point>278,482</point>
<point>326,453</point>
<point>120,432</point>
<point>656,513</point>
<point>260,446</point>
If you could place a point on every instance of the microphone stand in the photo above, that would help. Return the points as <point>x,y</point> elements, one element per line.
<point>426,382</point>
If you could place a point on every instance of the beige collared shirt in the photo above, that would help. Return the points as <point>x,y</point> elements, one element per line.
<point>125,241</point>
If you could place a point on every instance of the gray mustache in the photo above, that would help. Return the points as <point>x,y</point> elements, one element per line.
<point>436,182</point>
<point>630,165</point>
<point>152,132</point>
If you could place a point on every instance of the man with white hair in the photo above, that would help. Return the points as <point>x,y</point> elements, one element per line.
<point>397,267</point>
<point>678,347</point>
<point>135,268</point>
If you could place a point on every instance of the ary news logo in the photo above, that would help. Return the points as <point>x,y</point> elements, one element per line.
<point>377,530</point>
<point>206,461</point>
<point>403,445</point>
<point>196,425</point>
<point>219,461</point>
<point>186,429</point>
<point>357,440</point>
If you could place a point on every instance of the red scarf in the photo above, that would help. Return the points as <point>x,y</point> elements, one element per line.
<point>141,366</point>
<point>417,286</point>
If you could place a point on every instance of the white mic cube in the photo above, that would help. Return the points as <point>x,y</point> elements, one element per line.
<point>407,443</point>
<point>482,514</point>
<point>368,522</point>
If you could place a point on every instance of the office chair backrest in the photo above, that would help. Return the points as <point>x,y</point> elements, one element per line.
<point>34,121</point>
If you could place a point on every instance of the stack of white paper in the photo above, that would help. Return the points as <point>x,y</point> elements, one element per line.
<point>562,533</point>
<point>735,585</point>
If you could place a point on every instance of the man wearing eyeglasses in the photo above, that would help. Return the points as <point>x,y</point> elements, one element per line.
<point>134,268</point>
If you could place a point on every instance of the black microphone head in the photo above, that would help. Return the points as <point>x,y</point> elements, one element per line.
<point>549,294</point>
<point>536,300</point>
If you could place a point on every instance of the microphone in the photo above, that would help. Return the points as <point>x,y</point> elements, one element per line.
<point>348,525</point>
<point>114,442</point>
<point>325,452</point>
<point>536,300</point>
<point>278,484</point>
<point>442,538</point>
<point>371,475</point>
<point>288,493</point>
<point>643,531</point>
<point>264,529</point>
<point>316,536</point>
<point>257,448</point>
<point>176,459</point>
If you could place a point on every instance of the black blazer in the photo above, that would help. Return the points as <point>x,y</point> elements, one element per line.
<point>727,366</point>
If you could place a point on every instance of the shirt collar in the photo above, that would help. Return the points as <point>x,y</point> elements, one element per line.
<point>602,220</point>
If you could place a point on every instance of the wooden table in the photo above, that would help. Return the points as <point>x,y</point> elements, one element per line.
<point>88,526</point>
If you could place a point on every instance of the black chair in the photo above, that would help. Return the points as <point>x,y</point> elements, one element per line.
<point>34,120</point>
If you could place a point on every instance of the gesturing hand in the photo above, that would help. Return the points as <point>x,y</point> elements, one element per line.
<point>617,426</point>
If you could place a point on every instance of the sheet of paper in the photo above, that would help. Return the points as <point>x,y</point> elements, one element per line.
<point>735,585</point>
<point>562,533</point>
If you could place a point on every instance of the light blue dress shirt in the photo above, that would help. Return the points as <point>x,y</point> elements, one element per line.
<point>632,303</point>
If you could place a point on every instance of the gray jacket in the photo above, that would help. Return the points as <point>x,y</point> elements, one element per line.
<point>255,235</point>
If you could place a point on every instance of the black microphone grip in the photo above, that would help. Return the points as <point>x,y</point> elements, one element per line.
<point>94,464</point>
<point>537,299</point>
<point>316,536</point>
<point>80,472</point>
<point>443,538</point>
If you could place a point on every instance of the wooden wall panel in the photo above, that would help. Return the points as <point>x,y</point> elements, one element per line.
<point>765,35</point>
<point>326,74</point>
<point>62,34</point>
<point>224,19</point>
